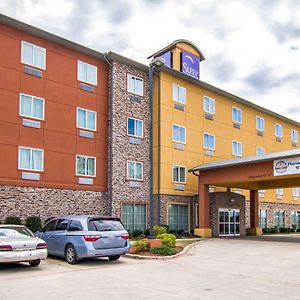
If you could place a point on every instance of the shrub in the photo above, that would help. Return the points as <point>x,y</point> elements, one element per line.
<point>158,229</point>
<point>13,220</point>
<point>273,230</point>
<point>163,250</point>
<point>137,233</point>
<point>147,232</point>
<point>266,230</point>
<point>298,230</point>
<point>283,229</point>
<point>34,223</point>
<point>142,245</point>
<point>167,239</point>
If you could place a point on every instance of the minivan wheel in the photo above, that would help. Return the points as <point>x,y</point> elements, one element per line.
<point>34,263</point>
<point>114,257</point>
<point>70,255</point>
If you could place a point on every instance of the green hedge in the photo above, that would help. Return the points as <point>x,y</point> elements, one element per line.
<point>163,250</point>
<point>34,223</point>
<point>142,245</point>
<point>159,229</point>
<point>13,220</point>
<point>167,239</point>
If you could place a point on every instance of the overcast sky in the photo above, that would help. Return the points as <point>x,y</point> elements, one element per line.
<point>251,47</point>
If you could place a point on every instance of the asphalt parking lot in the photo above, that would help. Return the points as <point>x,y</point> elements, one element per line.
<point>213,269</point>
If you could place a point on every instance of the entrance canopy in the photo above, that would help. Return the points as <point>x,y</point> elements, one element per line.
<point>268,171</point>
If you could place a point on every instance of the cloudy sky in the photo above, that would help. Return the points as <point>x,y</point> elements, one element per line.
<point>252,48</point>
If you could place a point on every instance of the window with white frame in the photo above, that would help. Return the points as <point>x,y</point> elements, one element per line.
<point>295,219</point>
<point>32,107</point>
<point>278,130</point>
<point>208,141</point>
<point>179,134</point>
<point>209,105</point>
<point>86,119</point>
<point>31,159</point>
<point>260,151</point>
<point>33,55</point>
<point>85,165</point>
<point>237,148</point>
<point>296,191</point>
<point>86,73</point>
<point>135,127</point>
<point>178,217</point>
<point>294,136</point>
<point>134,170</point>
<point>179,174</point>
<point>179,94</point>
<point>279,191</point>
<point>135,85</point>
<point>134,216</point>
<point>260,123</point>
<point>236,115</point>
<point>280,218</point>
<point>263,218</point>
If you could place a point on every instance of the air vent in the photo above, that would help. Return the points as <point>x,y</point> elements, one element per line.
<point>260,133</point>
<point>294,144</point>
<point>87,88</point>
<point>209,117</point>
<point>179,146</point>
<point>237,125</point>
<point>278,139</point>
<point>179,187</point>
<point>209,153</point>
<point>178,106</point>
<point>86,134</point>
<point>33,72</point>
<point>134,98</point>
<point>135,141</point>
<point>30,123</point>
<point>135,184</point>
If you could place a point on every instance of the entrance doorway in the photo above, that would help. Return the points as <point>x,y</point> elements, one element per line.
<point>229,222</point>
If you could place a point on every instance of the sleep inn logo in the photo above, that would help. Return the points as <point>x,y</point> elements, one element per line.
<point>190,64</point>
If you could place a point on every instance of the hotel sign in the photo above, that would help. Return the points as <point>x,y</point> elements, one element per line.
<point>287,166</point>
<point>190,64</point>
<point>167,59</point>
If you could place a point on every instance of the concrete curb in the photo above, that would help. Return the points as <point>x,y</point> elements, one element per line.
<point>184,251</point>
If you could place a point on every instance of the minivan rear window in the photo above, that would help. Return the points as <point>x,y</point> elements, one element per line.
<point>105,225</point>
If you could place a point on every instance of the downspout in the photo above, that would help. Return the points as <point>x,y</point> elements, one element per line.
<point>159,156</point>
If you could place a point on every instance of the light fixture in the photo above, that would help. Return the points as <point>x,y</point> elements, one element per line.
<point>157,62</point>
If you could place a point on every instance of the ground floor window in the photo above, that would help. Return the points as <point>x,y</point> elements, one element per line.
<point>134,216</point>
<point>178,217</point>
<point>279,218</point>
<point>197,216</point>
<point>295,219</point>
<point>263,218</point>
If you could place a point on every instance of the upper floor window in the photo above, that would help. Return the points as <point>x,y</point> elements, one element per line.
<point>135,127</point>
<point>237,148</point>
<point>85,165</point>
<point>294,136</point>
<point>31,159</point>
<point>279,191</point>
<point>86,73</point>
<point>86,119</point>
<point>135,85</point>
<point>209,141</point>
<point>32,107</point>
<point>236,115</point>
<point>179,174</point>
<point>260,123</point>
<point>134,170</point>
<point>260,151</point>
<point>33,55</point>
<point>179,94</point>
<point>296,191</point>
<point>209,105</point>
<point>278,130</point>
<point>179,134</point>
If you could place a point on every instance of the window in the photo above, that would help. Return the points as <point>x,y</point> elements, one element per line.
<point>237,148</point>
<point>62,224</point>
<point>278,130</point>
<point>134,216</point>
<point>134,170</point>
<point>33,55</point>
<point>260,151</point>
<point>32,107</point>
<point>50,226</point>
<point>236,115</point>
<point>31,159</point>
<point>178,217</point>
<point>86,73</point>
<point>279,191</point>
<point>85,166</point>
<point>260,123</point>
<point>179,174</point>
<point>86,119</point>
<point>280,218</point>
<point>208,141</point>
<point>135,127</point>
<point>295,191</point>
<point>179,94</point>
<point>294,136</point>
<point>295,219</point>
<point>135,85</point>
<point>75,226</point>
<point>209,105</point>
<point>179,134</point>
<point>263,218</point>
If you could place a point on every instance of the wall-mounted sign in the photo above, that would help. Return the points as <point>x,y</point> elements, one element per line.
<point>167,59</point>
<point>190,64</point>
<point>287,166</point>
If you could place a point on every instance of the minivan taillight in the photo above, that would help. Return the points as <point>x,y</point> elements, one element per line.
<point>125,236</point>
<point>41,246</point>
<point>5,248</point>
<point>91,238</point>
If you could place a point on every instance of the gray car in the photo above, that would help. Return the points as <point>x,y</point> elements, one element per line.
<point>78,237</point>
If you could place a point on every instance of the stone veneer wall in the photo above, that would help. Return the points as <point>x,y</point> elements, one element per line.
<point>122,149</point>
<point>44,202</point>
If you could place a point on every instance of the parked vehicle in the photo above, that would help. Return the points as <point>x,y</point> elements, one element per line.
<point>78,237</point>
<point>18,244</point>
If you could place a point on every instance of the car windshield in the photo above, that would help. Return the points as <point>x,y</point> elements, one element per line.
<point>15,232</point>
<point>105,225</point>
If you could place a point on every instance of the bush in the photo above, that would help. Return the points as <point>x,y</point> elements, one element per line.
<point>283,229</point>
<point>137,233</point>
<point>13,220</point>
<point>298,230</point>
<point>273,230</point>
<point>167,239</point>
<point>158,229</point>
<point>163,250</point>
<point>147,232</point>
<point>142,245</point>
<point>34,223</point>
<point>266,230</point>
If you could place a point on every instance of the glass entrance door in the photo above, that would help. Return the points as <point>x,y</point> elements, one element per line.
<point>229,222</point>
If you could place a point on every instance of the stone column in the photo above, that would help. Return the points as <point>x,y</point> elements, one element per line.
<point>254,214</point>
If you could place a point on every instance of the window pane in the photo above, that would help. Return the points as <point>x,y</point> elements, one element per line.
<point>175,174</point>
<point>26,103</point>
<point>175,133</point>
<point>91,120</point>
<point>127,216</point>
<point>81,118</point>
<point>130,83</point>
<point>139,128</point>
<point>25,158</point>
<point>139,86</point>
<point>39,55</point>
<point>37,160</point>
<point>175,92</point>
<point>138,174</point>
<point>130,126</point>
<point>90,166</point>
<point>82,71</point>
<point>91,74</point>
<point>81,165</point>
<point>130,170</point>
<point>27,54</point>
<point>182,174</point>
<point>37,110</point>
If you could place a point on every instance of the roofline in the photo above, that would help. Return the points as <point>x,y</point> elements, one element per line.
<point>49,36</point>
<point>227,94</point>
<point>173,44</point>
